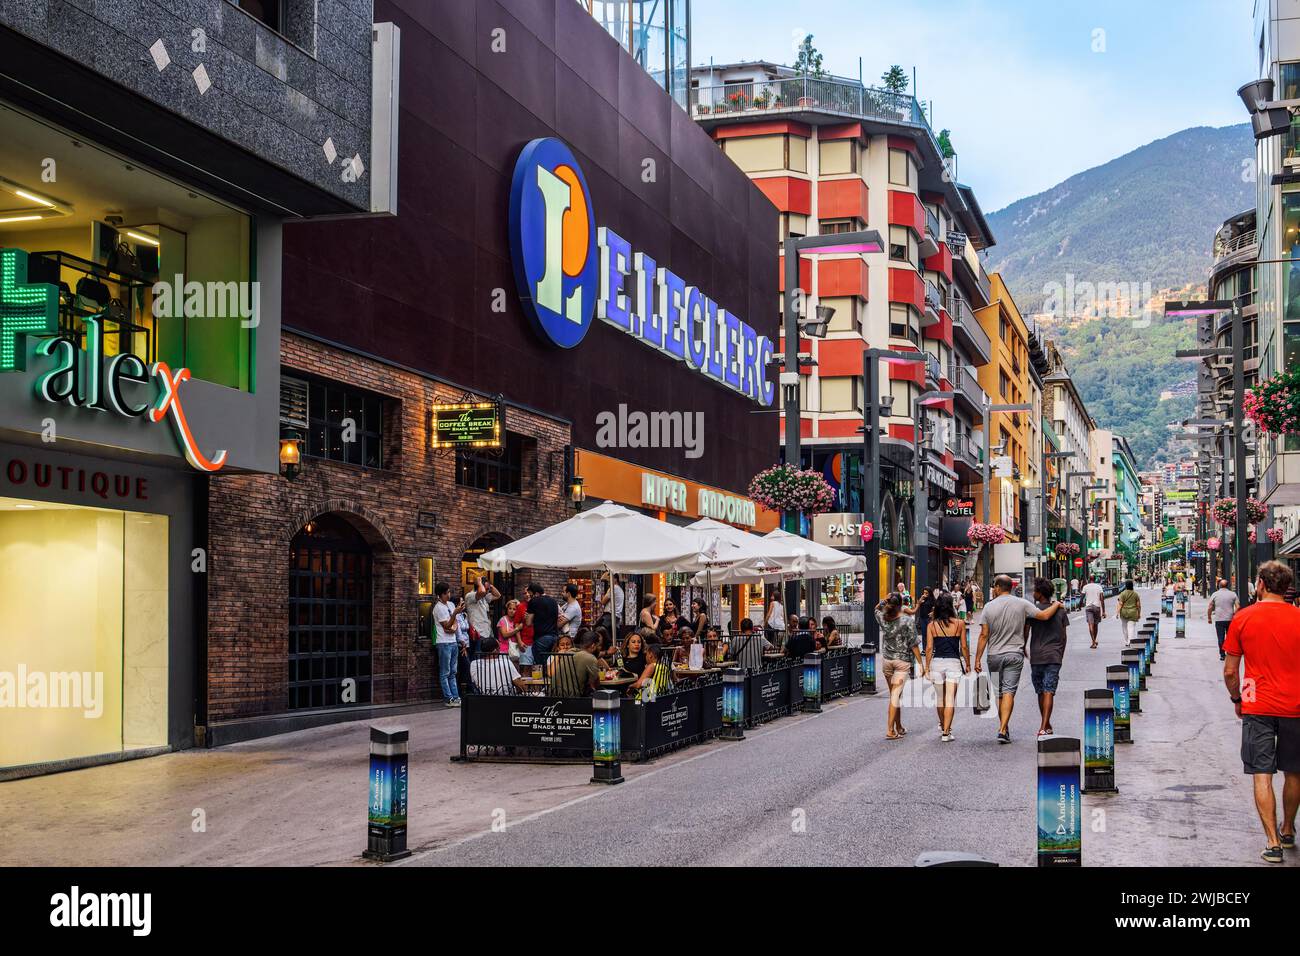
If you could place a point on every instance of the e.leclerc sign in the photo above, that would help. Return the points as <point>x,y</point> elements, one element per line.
<point>568,270</point>
<point>87,378</point>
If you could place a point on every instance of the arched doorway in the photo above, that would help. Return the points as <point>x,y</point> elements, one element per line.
<point>331,568</point>
<point>503,581</point>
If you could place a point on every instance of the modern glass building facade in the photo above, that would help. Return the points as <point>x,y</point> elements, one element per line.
<point>657,33</point>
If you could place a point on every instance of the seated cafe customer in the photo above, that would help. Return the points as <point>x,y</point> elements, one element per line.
<point>576,674</point>
<point>682,651</point>
<point>493,673</point>
<point>800,642</point>
<point>749,647</point>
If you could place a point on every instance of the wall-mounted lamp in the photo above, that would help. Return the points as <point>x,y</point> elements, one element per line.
<point>290,455</point>
<point>576,493</point>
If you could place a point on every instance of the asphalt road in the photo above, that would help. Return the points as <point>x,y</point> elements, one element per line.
<point>828,789</point>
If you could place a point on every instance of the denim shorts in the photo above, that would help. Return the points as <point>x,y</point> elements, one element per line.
<point>1004,672</point>
<point>1045,677</point>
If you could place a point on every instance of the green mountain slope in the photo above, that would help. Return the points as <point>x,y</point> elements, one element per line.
<point>1142,225</point>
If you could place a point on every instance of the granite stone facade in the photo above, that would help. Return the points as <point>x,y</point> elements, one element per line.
<point>280,96</point>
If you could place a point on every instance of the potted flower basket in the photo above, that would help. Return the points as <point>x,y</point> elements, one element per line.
<point>784,488</point>
<point>1274,404</point>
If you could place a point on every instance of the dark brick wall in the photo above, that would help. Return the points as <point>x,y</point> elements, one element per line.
<point>419,287</point>
<point>253,518</point>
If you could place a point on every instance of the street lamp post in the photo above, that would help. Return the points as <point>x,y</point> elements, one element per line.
<point>1241,538</point>
<point>1087,514</point>
<point>1063,457</point>
<point>1069,566</point>
<point>920,532</point>
<point>871,411</point>
<point>989,409</point>
<point>864,241</point>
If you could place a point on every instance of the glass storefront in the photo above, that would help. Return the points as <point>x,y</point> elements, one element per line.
<point>84,646</point>
<point>168,269</point>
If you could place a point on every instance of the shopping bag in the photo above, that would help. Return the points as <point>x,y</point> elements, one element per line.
<point>695,657</point>
<point>981,694</point>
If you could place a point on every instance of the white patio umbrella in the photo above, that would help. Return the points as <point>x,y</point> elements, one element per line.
<point>610,538</point>
<point>735,547</point>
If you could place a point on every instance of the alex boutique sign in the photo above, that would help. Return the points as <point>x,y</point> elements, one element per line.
<point>87,378</point>
<point>568,270</point>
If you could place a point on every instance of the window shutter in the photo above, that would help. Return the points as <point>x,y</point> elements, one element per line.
<point>293,403</point>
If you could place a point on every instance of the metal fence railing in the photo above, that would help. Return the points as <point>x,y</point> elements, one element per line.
<point>829,94</point>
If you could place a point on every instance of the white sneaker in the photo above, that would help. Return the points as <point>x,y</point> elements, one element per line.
<point>948,738</point>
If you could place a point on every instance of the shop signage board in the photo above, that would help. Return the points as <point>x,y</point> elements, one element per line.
<point>840,529</point>
<point>466,425</point>
<point>568,271</point>
<point>940,478</point>
<point>559,723</point>
<point>121,384</point>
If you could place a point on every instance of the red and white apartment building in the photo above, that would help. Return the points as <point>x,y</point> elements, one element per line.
<point>836,156</point>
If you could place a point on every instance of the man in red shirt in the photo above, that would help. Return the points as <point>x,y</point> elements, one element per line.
<point>1267,635</point>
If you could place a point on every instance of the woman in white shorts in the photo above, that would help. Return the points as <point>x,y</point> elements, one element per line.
<point>946,660</point>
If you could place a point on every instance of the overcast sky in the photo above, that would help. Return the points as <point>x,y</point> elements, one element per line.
<point>1018,83</point>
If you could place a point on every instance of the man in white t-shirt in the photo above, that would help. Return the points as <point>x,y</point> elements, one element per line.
<point>775,619</point>
<point>613,590</point>
<point>1094,606</point>
<point>492,673</point>
<point>571,613</point>
<point>445,644</point>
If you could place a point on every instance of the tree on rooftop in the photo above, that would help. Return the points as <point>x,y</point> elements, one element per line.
<point>809,60</point>
<point>894,79</point>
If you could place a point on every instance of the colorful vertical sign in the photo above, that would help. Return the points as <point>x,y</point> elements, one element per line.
<point>386,832</point>
<point>1117,682</point>
<point>1060,829</point>
<point>1099,741</point>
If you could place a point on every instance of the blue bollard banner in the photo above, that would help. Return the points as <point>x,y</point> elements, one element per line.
<point>1060,828</point>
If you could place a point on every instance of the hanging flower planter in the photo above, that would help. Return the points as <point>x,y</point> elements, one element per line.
<point>1066,548</point>
<point>1274,535</point>
<point>1225,511</point>
<point>1274,404</point>
<point>1252,536</point>
<point>980,533</point>
<point>786,488</point>
<point>1213,544</point>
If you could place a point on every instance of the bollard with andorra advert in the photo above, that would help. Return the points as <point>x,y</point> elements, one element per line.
<point>1099,741</point>
<point>1180,622</point>
<point>812,684</point>
<point>869,670</point>
<point>1060,833</point>
<point>386,834</point>
<point>1167,605</point>
<point>1136,645</point>
<point>733,704</point>
<point>1148,634</point>
<point>606,737</point>
<point>1132,660</point>
<point>1143,641</point>
<point>1117,681</point>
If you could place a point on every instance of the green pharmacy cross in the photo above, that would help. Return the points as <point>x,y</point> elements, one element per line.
<point>24,309</point>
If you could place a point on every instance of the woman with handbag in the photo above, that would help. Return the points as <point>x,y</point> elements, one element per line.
<point>946,660</point>
<point>508,630</point>
<point>1130,610</point>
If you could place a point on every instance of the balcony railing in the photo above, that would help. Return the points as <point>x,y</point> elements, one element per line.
<point>1226,247</point>
<point>825,94</point>
<point>966,449</point>
<point>964,321</point>
<point>966,383</point>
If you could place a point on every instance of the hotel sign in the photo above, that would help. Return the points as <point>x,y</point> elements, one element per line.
<point>466,425</point>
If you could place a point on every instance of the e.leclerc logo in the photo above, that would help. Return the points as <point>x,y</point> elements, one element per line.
<point>553,241</point>
<point>568,270</point>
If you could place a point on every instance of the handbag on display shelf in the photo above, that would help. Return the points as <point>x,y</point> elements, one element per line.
<point>123,261</point>
<point>90,288</point>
